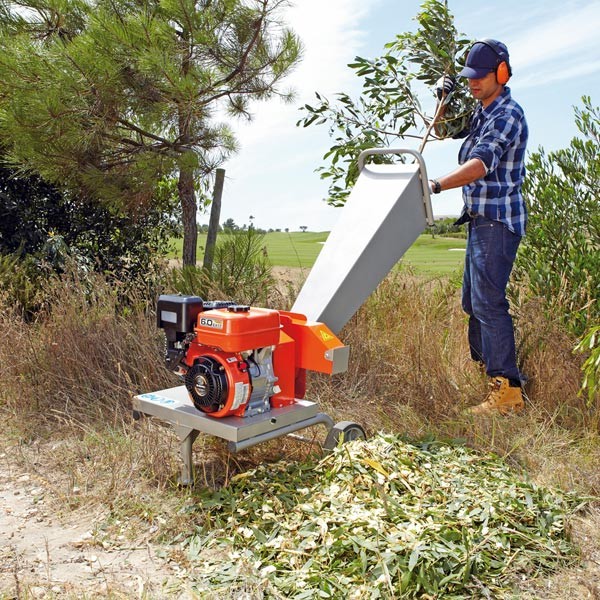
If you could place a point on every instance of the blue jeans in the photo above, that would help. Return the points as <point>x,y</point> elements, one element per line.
<point>491,251</point>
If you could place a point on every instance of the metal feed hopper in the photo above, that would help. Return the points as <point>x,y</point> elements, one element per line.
<point>387,210</point>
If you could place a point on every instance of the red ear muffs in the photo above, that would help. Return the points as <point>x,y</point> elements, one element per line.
<point>502,73</point>
<point>503,70</point>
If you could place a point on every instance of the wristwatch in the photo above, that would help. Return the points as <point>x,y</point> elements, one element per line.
<point>437,188</point>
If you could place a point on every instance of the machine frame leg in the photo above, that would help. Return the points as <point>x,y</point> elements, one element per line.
<point>187,437</point>
<point>174,406</point>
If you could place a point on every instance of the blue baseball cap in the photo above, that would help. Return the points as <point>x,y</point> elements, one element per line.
<point>483,58</point>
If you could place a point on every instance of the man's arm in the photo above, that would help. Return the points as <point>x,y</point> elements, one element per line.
<point>467,173</point>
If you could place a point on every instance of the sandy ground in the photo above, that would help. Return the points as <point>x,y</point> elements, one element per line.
<point>50,553</point>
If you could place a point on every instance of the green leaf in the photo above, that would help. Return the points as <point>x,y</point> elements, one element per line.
<point>414,558</point>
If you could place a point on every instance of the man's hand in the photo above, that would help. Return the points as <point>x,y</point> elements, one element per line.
<point>444,87</point>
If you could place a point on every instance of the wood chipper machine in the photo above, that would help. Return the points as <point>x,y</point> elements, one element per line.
<point>244,368</point>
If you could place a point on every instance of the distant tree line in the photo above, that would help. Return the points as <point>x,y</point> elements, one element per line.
<point>230,226</point>
<point>447,227</point>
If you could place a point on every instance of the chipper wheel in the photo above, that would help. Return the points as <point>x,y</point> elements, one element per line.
<point>346,431</point>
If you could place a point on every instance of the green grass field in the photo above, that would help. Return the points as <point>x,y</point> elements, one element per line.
<point>436,255</point>
<point>427,255</point>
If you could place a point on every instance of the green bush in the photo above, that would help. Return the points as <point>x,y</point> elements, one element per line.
<point>36,214</point>
<point>560,258</point>
<point>447,228</point>
<point>241,271</point>
<point>20,285</point>
<point>591,367</point>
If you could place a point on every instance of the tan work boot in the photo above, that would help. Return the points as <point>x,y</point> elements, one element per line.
<point>502,399</point>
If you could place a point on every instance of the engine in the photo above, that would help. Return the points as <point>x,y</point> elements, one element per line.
<point>237,360</point>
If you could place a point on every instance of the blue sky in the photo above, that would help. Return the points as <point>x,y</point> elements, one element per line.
<point>555,55</point>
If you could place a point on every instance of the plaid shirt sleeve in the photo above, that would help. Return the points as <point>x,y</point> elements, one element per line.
<point>498,137</point>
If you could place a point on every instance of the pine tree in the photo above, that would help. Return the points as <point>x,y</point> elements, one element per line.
<point>110,96</point>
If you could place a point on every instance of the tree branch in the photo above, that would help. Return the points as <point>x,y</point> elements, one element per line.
<point>242,63</point>
<point>143,133</point>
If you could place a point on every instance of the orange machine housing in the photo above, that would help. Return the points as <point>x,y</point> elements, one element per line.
<point>234,370</point>
<point>229,344</point>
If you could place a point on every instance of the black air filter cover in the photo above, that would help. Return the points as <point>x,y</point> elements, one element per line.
<point>178,313</point>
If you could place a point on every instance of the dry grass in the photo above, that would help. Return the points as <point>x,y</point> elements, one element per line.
<point>67,380</point>
<point>76,369</point>
<point>82,359</point>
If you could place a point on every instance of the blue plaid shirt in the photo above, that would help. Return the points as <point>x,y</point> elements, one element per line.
<point>497,135</point>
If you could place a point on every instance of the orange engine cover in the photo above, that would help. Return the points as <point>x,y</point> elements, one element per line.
<point>243,361</point>
<point>238,331</point>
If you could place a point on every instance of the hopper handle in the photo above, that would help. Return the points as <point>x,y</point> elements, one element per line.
<point>423,172</point>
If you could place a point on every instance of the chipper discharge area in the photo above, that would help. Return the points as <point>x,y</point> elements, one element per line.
<point>244,368</point>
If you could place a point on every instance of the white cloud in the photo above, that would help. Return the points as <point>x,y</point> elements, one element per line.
<point>331,36</point>
<point>272,149</point>
<point>331,33</point>
<point>564,46</point>
<point>547,75</point>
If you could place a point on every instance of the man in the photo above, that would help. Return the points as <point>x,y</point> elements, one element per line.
<point>491,173</point>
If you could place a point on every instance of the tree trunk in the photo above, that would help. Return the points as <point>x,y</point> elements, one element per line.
<point>187,198</point>
<point>213,225</point>
<point>185,185</point>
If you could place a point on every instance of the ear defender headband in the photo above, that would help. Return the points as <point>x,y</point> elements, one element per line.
<point>503,70</point>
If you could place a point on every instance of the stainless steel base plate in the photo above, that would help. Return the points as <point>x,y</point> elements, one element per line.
<point>174,406</point>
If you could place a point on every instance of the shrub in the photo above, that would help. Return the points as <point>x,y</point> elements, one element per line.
<point>241,271</point>
<point>560,258</point>
<point>108,240</point>
<point>20,285</point>
<point>591,367</point>
<point>446,227</point>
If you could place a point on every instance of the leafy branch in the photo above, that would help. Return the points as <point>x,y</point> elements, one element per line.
<point>389,109</point>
